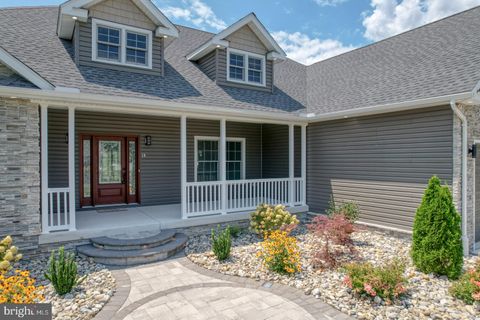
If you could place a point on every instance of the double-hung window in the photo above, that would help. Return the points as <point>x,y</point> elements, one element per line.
<point>245,67</point>
<point>119,44</point>
<point>207,159</point>
<point>108,46</point>
<point>137,48</point>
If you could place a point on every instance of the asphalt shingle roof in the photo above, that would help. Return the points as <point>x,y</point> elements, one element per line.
<point>438,59</point>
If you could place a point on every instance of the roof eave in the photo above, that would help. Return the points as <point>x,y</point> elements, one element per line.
<point>74,10</point>
<point>124,104</point>
<point>391,107</point>
<point>275,51</point>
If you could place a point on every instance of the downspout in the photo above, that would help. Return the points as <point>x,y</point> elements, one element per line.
<point>463,120</point>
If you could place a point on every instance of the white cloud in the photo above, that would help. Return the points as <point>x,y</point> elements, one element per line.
<point>390,17</point>
<point>196,12</point>
<point>300,47</point>
<point>329,3</point>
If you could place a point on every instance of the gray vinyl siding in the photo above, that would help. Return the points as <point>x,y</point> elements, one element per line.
<point>477,197</point>
<point>382,162</point>
<point>221,77</point>
<point>275,151</point>
<point>57,148</point>
<point>159,167</point>
<point>123,12</point>
<point>246,40</point>
<point>85,52</point>
<point>297,144</point>
<point>208,64</point>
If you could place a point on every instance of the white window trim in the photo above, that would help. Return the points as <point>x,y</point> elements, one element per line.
<point>246,54</point>
<point>207,138</point>
<point>123,43</point>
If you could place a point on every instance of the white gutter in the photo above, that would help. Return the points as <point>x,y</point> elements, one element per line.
<point>463,120</point>
<point>391,107</point>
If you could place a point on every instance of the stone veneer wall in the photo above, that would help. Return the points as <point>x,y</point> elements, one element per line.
<point>20,172</point>
<point>472,113</point>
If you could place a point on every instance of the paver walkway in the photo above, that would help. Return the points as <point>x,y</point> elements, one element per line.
<point>179,289</point>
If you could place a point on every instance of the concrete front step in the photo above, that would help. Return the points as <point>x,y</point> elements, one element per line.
<point>134,257</point>
<point>134,244</point>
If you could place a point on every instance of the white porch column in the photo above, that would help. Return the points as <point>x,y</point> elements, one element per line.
<point>222,159</point>
<point>44,164</point>
<point>71,165</point>
<point>183,164</point>
<point>291,167</point>
<point>304,164</point>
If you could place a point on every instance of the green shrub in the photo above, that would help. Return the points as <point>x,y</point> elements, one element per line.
<point>221,243</point>
<point>8,254</point>
<point>235,231</point>
<point>467,288</point>
<point>268,218</point>
<point>437,235</point>
<point>348,209</point>
<point>62,272</point>
<point>387,282</point>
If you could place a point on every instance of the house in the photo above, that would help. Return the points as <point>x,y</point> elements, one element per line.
<point>112,119</point>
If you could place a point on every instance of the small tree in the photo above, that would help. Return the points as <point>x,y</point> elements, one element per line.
<point>437,236</point>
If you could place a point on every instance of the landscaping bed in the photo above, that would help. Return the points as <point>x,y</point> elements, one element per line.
<point>85,300</point>
<point>427,295</point>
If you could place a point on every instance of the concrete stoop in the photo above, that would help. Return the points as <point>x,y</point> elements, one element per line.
<point>127,252</point>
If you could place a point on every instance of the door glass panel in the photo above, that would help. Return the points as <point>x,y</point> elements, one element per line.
<point>132,165</point>
<point>86,169</point>
<point>109,162</point>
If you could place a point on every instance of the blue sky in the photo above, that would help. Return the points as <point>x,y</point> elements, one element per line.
<point>308,30</point>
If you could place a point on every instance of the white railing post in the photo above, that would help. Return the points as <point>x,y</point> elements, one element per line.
<point>183,164</point>
<point>291,168</point>
<point>44,164</point>
<point>304,165</point>
<point>222,157</point>
<point>71,167</point>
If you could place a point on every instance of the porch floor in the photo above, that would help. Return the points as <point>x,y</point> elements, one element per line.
<point>137,221</point>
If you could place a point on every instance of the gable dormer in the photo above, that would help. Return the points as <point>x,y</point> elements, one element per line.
<point>242,55</point>
<point>124,35</point>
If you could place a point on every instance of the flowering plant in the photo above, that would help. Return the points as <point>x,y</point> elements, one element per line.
<point>467,288</point>
<point>268,218</point>
<point>19,288</point>
<point>387,281</point>
<point>8,254</point>
<point>280,252</point>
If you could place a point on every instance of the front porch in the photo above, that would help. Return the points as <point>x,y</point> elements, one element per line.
<point>172,172</point>
<point>136,221</point>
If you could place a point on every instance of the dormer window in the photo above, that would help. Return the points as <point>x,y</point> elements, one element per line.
<point>246,67</point>
<point>108,43</point>
<point>122,45</point>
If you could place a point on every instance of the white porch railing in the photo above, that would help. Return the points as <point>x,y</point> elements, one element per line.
<point>205,198</point>
<point>59,213</point>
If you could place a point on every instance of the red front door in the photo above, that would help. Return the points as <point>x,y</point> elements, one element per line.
<point>110,171</point>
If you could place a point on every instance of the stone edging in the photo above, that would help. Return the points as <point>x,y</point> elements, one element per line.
<point>317,308</point>
<point>123,285</point>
